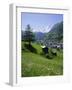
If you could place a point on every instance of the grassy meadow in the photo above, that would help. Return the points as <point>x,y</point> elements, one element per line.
<point>35,63</point>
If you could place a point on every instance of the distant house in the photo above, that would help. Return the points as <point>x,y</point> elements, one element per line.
<point>55,45</point>
<point>60,45</point>
<point>44,49</point>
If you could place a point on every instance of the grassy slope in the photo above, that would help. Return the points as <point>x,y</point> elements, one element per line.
<point>37,65</point>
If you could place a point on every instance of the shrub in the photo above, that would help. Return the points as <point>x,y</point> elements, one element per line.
<point>49,56</point>
<point>30,48</point>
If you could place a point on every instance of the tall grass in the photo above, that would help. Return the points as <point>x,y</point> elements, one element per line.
<point>35,64</point>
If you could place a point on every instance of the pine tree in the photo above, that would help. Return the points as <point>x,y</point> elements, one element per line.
<point>28,35</point>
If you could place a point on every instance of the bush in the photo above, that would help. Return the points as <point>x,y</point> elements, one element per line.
<point>54,52</point>
<point>50,55</point>
<point>30,48</point>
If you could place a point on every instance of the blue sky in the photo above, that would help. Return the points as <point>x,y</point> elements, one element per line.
<point>40,22</point>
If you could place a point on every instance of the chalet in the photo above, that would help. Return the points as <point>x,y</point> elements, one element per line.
<point>44,49</point>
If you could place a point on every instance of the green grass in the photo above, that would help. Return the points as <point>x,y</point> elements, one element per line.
<point>34,64</point>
